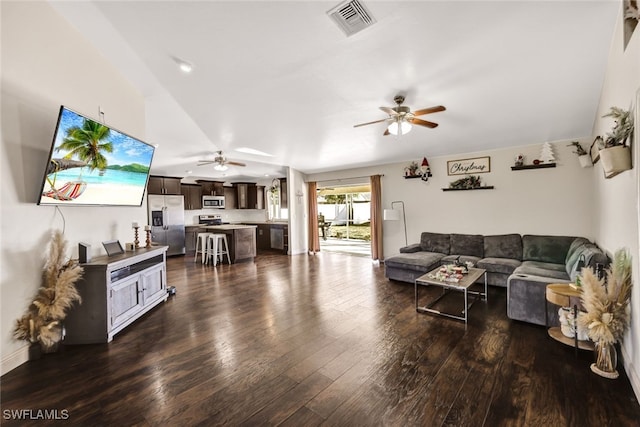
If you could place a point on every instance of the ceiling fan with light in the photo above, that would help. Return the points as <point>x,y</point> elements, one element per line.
<point>220,162</point>
<point>401,118</point>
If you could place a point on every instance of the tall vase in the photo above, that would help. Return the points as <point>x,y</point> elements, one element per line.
<point>606,360</point>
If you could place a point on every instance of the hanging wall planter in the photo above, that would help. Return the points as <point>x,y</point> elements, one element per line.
<point>616,154</point>
<point>615,160</point>
<point>585,161</point>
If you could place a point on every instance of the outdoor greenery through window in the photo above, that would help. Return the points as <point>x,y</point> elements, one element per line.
<point>346,212</point>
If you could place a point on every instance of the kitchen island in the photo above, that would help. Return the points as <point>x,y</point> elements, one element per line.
<point>241,239</point>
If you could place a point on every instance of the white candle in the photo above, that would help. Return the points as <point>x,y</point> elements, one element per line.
<point>147,228</point>
<point>134,225</point>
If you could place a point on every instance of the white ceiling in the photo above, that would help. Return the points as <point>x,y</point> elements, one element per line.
<point>282,78</point>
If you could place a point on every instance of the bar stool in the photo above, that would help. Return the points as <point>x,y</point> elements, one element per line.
<point>214,248</point>
<point>201,242</point>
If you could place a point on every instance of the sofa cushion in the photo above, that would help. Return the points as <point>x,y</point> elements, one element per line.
<point>411,248</point>
<point>551,249</point>
<point>503,246</point>
<point>543,269</point>
<point>450,259</point>
<point>416,261</point>
<point>499,265</point>
<point>467,244</point>
<point>435,242</point>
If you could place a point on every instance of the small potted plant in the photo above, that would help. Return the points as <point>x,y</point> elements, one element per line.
<point>583,156</point>
<point>616,154</point>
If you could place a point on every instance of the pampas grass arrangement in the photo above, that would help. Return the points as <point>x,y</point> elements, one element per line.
<point>43,321</point>
<point>607,306</point>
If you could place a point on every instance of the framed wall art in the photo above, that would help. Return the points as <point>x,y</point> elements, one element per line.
<point>469,166</point>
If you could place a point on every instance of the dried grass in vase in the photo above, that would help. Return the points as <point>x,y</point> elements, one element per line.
<point>607,306</point>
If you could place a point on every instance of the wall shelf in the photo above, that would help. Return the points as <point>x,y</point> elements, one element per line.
<point>540,166</point>
<point>490,187</point>
<point>412,176</point>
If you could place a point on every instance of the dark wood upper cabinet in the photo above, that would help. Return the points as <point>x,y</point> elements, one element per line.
<point>212,188</point>
<point>163,185</point>
<point>192,196</point>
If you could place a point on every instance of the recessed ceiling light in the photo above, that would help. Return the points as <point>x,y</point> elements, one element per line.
<point>184,66</point>
<point>189,171</point>
<point>248,150</point>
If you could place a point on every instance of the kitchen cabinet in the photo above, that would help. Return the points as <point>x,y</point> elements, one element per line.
<point>241,239</point>
<point>192,196</point>
<point>284,201</point>
<point>116,290</point>
<point>230,199</point>
<point>242,195</point>
<point>249,195</point>
<point>191,237</point>
<point>163,185</point>
<point>263,238</point>
<point>212,188</point>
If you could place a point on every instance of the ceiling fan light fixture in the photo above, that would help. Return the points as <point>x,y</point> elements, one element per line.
<point>399,127</point>
<point>221,168</point>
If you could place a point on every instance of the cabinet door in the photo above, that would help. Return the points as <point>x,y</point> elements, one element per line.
<point>218,188</point>
<point>195,197</point>
<point>125,300</point>
<point>185,190</point>
<point>153,284</point>
<point>155,185</point>
<point>260,197</point>
<point>230,201</point>
<point>207,187</point>
<point>243,196</point>
<point>244,243</point>
<point>172,186</point>
<point>263,239</point>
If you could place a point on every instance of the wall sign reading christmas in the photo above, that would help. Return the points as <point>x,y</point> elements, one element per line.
<point>469,166</point>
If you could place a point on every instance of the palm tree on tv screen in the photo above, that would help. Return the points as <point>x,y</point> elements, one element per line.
<point>88,143</point>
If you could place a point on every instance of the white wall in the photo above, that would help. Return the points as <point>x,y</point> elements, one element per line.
<point>297,197</point>
<point>45,63</point>
<point>617,213</point>
<point>554,201</point>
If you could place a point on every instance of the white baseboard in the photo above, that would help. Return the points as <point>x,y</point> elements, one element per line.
<point>632,374</point>
<point>14,360</point>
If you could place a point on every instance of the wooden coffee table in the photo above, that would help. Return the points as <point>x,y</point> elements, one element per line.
<point>462,285</point>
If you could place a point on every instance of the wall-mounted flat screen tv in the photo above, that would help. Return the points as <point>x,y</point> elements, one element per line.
<point>92,164</point>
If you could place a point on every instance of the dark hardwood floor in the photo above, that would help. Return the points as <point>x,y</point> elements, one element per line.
<point>317,340</point>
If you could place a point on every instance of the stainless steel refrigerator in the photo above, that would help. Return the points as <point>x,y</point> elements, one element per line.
<point>166,217</point>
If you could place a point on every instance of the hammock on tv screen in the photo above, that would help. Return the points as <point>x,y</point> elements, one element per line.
<point>70,191</point>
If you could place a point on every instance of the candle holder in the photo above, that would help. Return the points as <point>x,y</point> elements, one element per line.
<point>148,242</point>
<point>136,242</point>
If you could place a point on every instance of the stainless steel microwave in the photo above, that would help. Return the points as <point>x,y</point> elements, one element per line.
<point>213,202</point>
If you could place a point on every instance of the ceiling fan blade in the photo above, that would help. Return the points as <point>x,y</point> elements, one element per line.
<point>235,163</point>
<point>386,132</point>
<point>423,123</point>
<point>370,123</point>
<point>205,162</point>
<point>389,111</point>
<point>429,110</point>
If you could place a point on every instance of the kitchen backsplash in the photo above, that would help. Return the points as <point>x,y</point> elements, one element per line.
<point>228,215</point>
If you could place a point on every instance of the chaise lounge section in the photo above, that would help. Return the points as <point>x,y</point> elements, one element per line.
<point>522,264</point>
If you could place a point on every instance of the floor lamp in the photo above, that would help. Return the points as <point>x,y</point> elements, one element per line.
<point>394,215</point>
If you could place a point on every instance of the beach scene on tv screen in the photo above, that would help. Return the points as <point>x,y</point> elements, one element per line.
<point>92,164</point>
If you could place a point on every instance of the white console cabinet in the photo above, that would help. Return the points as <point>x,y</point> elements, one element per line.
<point>116,291</point>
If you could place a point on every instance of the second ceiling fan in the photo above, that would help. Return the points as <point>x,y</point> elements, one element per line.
<point>220,162</point>
<point>401,118</point>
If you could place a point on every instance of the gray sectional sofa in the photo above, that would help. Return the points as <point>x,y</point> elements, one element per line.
<point>523,264</point>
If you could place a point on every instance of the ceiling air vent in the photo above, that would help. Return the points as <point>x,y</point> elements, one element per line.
<point>351,17</point>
